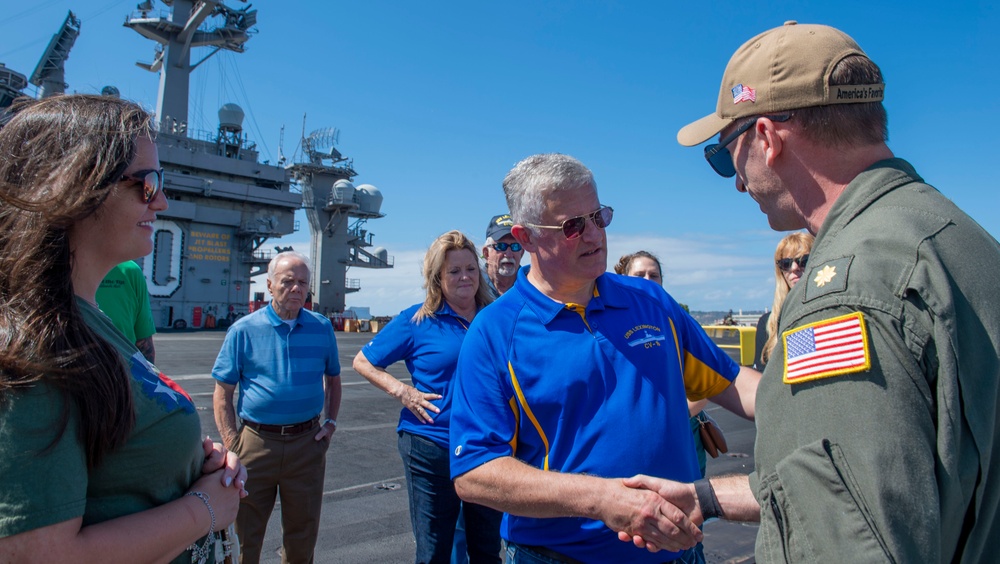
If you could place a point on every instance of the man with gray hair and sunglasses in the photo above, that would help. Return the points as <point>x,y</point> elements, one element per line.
<point>878,435</point>
<point>576,378</point>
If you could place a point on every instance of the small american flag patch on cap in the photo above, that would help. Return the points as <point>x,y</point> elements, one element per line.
<point>826,348</point>
<point>743,94</point>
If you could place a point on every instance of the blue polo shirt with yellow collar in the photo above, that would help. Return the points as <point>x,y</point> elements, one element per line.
<point>430,351</point>
<point>598,390</point>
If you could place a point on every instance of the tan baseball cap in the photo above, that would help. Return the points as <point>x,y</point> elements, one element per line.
<point>782,69</point>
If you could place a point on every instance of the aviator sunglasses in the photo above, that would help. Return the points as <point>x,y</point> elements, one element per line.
<point>785,264</point>
<point>514,247</point>
<point>152,182</point>
<point>718,155</point>
<point>574,226</point>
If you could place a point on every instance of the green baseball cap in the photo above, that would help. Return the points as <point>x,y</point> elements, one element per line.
<point>784,68</point>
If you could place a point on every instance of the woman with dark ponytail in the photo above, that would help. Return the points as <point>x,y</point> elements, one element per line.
<point>101,456</point>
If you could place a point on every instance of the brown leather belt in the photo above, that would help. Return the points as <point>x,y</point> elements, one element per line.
<point>293,429</point>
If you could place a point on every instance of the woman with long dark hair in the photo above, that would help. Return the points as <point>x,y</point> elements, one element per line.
<point>101,456</point>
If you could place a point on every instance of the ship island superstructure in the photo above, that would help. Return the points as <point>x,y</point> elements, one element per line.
<point>224,203</point>
<point>338,212</point>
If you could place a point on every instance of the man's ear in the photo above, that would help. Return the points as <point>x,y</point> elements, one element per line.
<point>523,235</point>
<point>767,133</point>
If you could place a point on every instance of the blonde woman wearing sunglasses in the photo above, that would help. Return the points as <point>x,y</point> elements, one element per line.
<point>790,259</point>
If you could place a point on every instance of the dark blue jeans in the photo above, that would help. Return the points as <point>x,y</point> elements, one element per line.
<point>460,551</point>
<point>517,554</point>
<point>434,506</point>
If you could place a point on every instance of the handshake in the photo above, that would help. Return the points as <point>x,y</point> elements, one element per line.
<point>662,514</point>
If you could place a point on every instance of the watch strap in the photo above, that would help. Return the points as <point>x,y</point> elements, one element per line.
<point>710,508</point>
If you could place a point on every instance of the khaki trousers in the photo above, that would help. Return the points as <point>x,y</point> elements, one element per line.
<point>292,467</point>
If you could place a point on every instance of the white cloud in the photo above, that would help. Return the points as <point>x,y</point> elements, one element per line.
<point>391,290</point>
<point>709,271</point>
<point>706,271</point>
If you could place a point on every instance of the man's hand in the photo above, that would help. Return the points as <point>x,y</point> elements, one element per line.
<point>659,523</point>
<point>509,485</point>
<point>677,502</point>
<point>327,429</point>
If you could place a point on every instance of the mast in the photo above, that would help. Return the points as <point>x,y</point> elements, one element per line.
<point>337,211</point>
<point>224,203</point>
<point>176,36</point>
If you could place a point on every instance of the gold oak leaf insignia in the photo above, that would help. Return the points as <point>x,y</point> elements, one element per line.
<point>825,275</point>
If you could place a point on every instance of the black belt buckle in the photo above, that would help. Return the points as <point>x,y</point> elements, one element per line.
<point>282,430</point>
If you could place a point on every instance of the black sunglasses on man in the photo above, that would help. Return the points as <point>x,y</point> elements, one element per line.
<point>718,155</point>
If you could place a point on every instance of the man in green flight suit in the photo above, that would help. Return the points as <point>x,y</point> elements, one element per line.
<point>878,438</point>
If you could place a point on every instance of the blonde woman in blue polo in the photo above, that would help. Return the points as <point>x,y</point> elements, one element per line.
<point>428,337</point>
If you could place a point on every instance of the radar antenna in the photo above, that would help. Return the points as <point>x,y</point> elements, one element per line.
<point>50,74</point>
<point>177,35</point>
<point>320,144</point>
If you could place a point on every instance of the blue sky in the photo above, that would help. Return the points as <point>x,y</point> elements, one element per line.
<point>437,100</point>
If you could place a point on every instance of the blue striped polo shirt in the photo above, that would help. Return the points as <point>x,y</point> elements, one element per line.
<point>279,369</point>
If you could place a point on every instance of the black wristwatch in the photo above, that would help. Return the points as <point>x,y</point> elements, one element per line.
<point>707,501</point>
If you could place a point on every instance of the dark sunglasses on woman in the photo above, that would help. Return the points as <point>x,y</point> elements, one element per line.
<point>785,264</point>
<point>151,180</point>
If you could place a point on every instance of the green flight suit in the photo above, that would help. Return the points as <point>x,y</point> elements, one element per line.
<point>894,461</point>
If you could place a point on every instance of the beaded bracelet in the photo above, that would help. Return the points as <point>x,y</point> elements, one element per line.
<point>201,554</point>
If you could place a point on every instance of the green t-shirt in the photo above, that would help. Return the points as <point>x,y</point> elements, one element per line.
<point>43,486</point>
<point>124,298</point>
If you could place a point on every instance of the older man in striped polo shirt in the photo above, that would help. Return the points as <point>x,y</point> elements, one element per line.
<point>284,359</point>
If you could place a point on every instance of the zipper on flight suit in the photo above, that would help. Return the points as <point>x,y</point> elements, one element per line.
<point>780,522</point>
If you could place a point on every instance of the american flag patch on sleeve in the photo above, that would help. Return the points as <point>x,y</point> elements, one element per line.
<point>826,348</point>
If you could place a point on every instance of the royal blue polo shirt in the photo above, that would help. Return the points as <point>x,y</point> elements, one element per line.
<point>430,350</point>
<point>598,390</point>
<point>279,369</point>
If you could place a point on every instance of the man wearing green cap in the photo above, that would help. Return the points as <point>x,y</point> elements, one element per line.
<point>878,437</point>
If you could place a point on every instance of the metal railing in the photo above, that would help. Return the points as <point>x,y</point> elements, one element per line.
<point>735,337</point>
